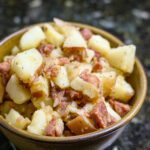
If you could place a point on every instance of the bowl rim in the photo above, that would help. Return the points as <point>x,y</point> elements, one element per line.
<point>89,136</point>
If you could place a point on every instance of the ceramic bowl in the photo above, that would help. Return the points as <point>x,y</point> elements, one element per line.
<point>97,140</point>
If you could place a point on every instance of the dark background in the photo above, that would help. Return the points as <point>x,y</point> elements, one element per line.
<point>127,19</point>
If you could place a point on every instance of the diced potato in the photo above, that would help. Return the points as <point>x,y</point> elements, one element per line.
<point>100,44</point>
<point>38,123</point>
<point>40,87</point>
<point>16,91</point>
<point>75,40</point>
<point>85,87</point>
<point>14,118</point>
<point>107,80</point>
<point>15,50</point>
<point>75,68</point>
<point>122,90</point>
<point>62,78</point>
<point>81,125</point>
<point>123,58</point>
<point>32,38</point>
<point>25,64</point>
<point>52,35</point>
<point>65,28</point>
<point>1,90</point>
<point>42,101</point>
<point>112,112</point>
<point>90,55</point>
<point>56,53</point>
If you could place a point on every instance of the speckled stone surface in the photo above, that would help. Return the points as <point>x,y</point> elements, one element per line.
<point>127,19</point>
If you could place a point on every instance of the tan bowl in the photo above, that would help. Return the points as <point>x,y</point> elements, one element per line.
<point>96,140</point>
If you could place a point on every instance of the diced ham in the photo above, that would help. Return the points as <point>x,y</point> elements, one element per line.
<point>97,66</point>
<point>55,128</point>
<point>4,71</point>
<point>100,115</point>
<point>46,49</point>
<point>86,33</point>
<point>4,67</point>
<point>57,96</point>
<point>86,76</point>
<point>121,108</point>
<point>97,54</point>
<point>62,109</point>
<point>63,61</point>
<point>52,71</point>
<point>73,94</point>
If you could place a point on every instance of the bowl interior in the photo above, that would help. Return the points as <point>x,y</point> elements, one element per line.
<point>137,80</point>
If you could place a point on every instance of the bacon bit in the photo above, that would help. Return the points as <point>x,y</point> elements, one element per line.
<point>86,33</point>
<point>46,49</point>
<point>63,61</point>
<point>52,71</point>
<point>100,115</point>
<point>97,66</point>
<point>4,71</point>
<point>121,108</point>
<point>75,53</point>
<point>57,96</point>
<point>86,76</point>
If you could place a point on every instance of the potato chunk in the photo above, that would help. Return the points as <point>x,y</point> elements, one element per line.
<point>75,68</point>
<point>85,87</point>
<point>123,58</point>
<point>42,101</point>
<point>52,35</point>
<point>75,40</point>
<point>38,123</point>
<point>112,112</point>
<point>62,78</point>
<point>14,118</point>
<point>56,53</point>
<point>40,87</point>
<point>25,64</point>
<point>16,91</point>
<point>1,90</point>
<point>107,80</point>
<point>64,28</point>
<point>100,44</point>
<point>32,38</point>
<point>15,50</point>
<point>81,125</point>
<point>122,90</point>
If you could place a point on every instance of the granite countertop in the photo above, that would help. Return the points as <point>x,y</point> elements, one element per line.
<point>127,19</point>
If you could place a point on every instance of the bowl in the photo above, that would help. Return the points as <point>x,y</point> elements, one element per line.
<point>99,139</point>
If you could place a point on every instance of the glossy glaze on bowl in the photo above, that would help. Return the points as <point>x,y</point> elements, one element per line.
<point>26,140</point>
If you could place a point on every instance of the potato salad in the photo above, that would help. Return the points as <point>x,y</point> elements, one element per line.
<point>62,80</point>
